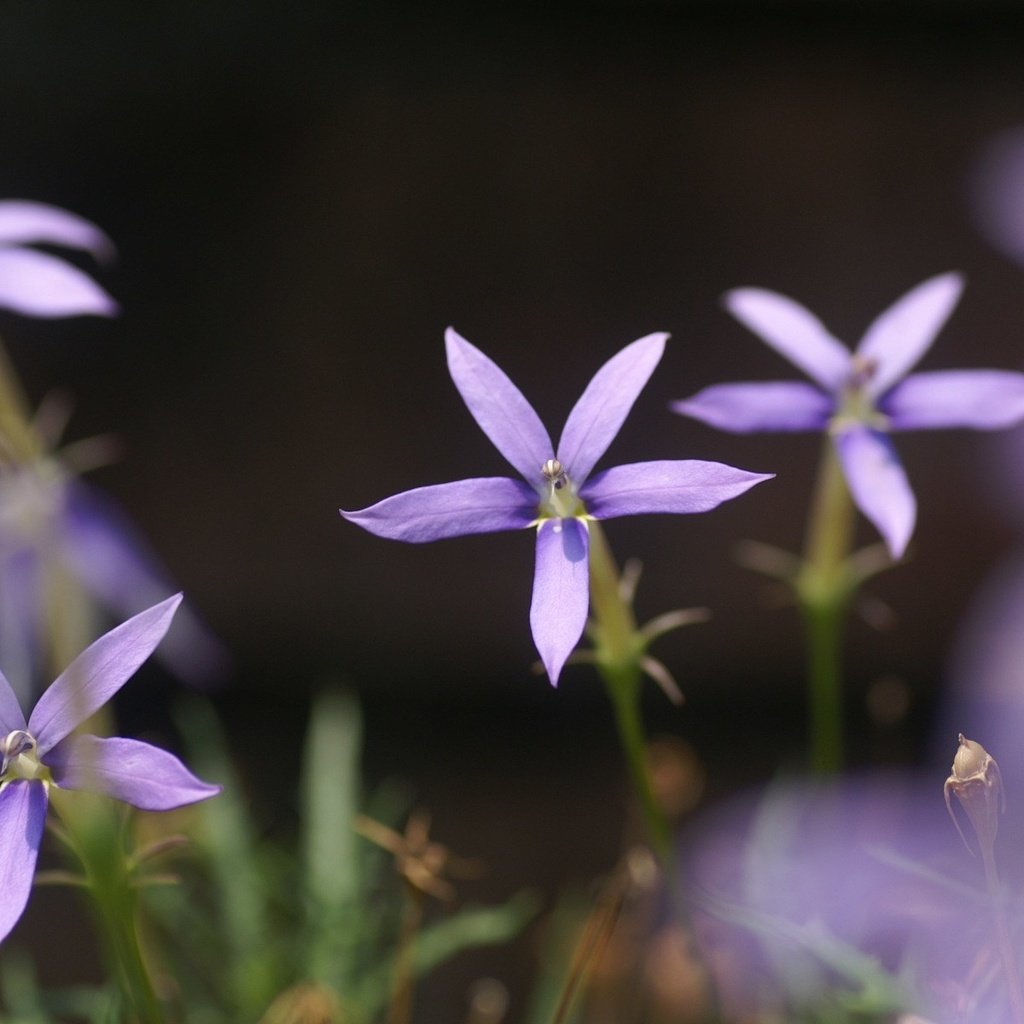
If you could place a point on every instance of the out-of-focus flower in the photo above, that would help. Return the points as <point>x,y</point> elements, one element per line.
<point>859,397</point>
<point>43,752</point>
<point>39,284</point>
<point>559,496</point>
<point>808,891</point>
<point>65,547</point>
<point>996,192</point>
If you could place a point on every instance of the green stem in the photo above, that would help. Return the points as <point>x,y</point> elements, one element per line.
<point>614,617</point>
<point>400,1008</point>
<point>824,591</point>
<point>624,691</point>
<point>617,661</point>
<point>823,626</point>
<point>96,833</point>
<point>1003,941</point>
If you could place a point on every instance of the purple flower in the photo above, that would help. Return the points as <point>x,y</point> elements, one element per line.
<point>860,397</point>
<point>45,751</point>
<point>559,495</point>
<point>39,284</point>
<point>56,530</point>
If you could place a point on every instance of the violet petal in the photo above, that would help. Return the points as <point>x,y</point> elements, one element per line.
<point>982,399</point>
<point>902,334</point>
<point>22,816</point>
<point>561,597</point>
<point>748,407</point>
<point>482,505</point>
<point>98,673</point>
<point>23,222</point>
<point>878,484</point>
<point>498,406</point>
<point>137,773</point>
<point>600,411</point>
<point>38,284</point>
<point>793,331</point>
<point>11,715</point>
<point>666,486</point>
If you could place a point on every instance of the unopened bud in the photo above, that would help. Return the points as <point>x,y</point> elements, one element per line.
<point>976,781</point>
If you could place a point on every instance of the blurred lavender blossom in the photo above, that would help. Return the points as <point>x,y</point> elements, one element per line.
<point>65,547</point>
<point>559,496</point>
<point>59,539</point>
<point>39,284</point>
<point>858,891</point>
<point>860,397</point>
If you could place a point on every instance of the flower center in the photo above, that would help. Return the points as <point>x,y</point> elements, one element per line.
<point>856,406</point>
<point>558,499</point>
<point>20,760</point>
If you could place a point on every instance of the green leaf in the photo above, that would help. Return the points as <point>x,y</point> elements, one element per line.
<point>253,968</point>
<point>333,862</point>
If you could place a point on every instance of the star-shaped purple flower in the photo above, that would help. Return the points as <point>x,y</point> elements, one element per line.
<point>559,495</point>
<point>38,283</point>
<point>44,752</point>
<point>860,396</point>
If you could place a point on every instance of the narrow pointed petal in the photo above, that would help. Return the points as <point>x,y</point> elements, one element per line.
<point>137,773</point>
<point>793,331</point>
<point>38,284</point>
<point>878,485</point>
<point>689,485</point>
<point>905,331</point>
<point>561,593</point>
<point>97,674</point>
<point>599,414</point>
<point>498,406</point>
<point>483,505</point>
<point>982,399</point>
<point>22,816</point>
<point>751,407</point>
<point>11,715</point>
<point>23,222</point>
<point>116,565</point>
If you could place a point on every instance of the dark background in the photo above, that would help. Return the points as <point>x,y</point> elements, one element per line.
<point>305,195</point>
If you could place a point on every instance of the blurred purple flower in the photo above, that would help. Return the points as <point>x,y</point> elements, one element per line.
<point>798,879</point>
<point>559,495</point>
<point>43,752</point>
<point>861,396</point>
<point>39,284</point>
<point>996,192</point>
<point>56,530</point>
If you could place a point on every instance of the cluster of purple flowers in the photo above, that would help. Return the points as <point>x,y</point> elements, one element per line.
<point>41,503</point>
<point>857,397</point>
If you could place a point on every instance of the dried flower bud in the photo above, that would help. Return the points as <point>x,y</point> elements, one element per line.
<point>976,781</point>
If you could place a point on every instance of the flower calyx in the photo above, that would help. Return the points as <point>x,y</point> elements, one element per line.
<point>21,759</point>
<point>978,785</point>
<point>559,498</point>
<point>854,401</point>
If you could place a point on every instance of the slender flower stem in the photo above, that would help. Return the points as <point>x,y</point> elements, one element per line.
<point>617,660</point>
<point>1006,953</point>
<point>96,836</point>
<point>823,590</point>
<point>400,1009</point>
